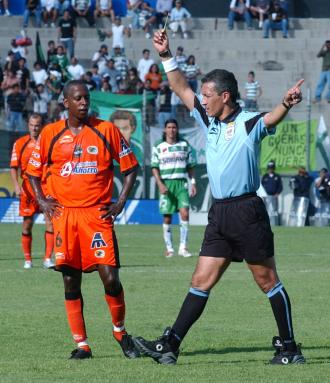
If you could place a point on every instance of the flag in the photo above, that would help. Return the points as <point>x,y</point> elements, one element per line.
<point>39,52</point>
<point>322,146</point>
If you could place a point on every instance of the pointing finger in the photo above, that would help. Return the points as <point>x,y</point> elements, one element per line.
<point>299,83</point>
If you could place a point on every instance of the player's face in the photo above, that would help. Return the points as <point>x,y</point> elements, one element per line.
<point>212,101</point>
<point>77,102</point>
<point>125,128</point>
<point>35,126</point>
<point>171,131</point>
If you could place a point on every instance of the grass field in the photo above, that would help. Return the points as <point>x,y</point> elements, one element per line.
<point>230,343</point>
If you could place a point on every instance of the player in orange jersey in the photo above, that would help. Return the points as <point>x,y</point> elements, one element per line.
<point>78,154</point>
<point>28,206</point>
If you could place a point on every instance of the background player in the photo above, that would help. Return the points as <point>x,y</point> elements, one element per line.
<point>28,206</point>
<point>79,154</point>
<point>238,224</point>
<point>172,159</point>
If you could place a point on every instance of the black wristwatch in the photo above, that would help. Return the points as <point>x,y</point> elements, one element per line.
<point>165,54</point>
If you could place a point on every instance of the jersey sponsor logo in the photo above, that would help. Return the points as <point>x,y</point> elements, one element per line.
<point>214,130</point>
<point>66,139</point>
<point>125,149</point>
<point>98,241</point>
<point>172,160</point>
<point>164,150</point>
<point>99,253</point>
<point>92,149</point>
<point>34,162</point>
<point>230,131</point>
<point>87,167</point>
<point>77,151</point>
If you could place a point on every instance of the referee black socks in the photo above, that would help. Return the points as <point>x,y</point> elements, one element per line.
<point>191,310</point>
<point>281,306</point>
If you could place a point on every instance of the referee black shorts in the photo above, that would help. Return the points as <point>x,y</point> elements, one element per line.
<point>238,228</point>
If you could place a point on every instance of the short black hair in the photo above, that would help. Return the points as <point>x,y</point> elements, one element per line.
<point>71,84</point>
<point>171,121</point>
<point>224,81</point>
<point>145,51</point>
<point>251,73</point>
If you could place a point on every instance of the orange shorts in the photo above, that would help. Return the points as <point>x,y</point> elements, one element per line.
<point>28,206</point>
<point>83,240</point>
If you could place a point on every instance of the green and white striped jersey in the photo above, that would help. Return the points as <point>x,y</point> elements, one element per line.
<point>173,160</point>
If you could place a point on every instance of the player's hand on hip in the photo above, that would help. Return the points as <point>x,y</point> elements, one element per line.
<point>163,189</point>
<point>50,207</point>
<point>111,211</point>
<point>294,95</point>
<point>193,190</point>
<point>160,41</point>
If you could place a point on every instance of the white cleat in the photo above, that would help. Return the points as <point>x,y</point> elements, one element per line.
<point>183,252</point>
<point>48,263</point>
<point>169,253</point>
<point>27,265</point>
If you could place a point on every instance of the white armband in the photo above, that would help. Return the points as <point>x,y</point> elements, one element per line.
<point>170,65</point>
<point>193,181</point>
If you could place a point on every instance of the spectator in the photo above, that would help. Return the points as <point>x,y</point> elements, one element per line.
<point>121,62</point>
<point>277,20</point>
<point>118,33</point>
<point>67,32</point>
<point>150,105</point>
<point>103,8</point>
<point>178,17</point>
<point>144,64</point>
<point>325,72</point>
<point>101,57</point>
<point>134,84</point>
<point>49,12</point>
<point>133,12</point>
<point>4,7</point>
<point>75,70</point>
<point>252,92</point>
<point>106,87</point>
<point>147,18</point>
<point>15,103</point>
<point>41,100</point>
<point>17,50</point>
<point>51,52</point>
<point>54,88</point>
<point>180,58</point>
<point>322,184</point>
<point>9,80</point>
<point>114,75</point>
<point>61,59</point>
<point>62,5</point>
<point>191,71</point>
<point>39,75</point>
<point>165,107</point>
<point>239,10</point>
<point>96,76</point>
<point>163,8</point>
<point>88,80</point>
<point>11,63</point>
<point>260,9</point>
<point>271,181</point>
<point>23,74</point>
<point>155,77</point>
<point>32,6</point>
<point>82,8</point>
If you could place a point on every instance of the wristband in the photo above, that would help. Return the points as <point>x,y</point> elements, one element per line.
<point>170,65</point>
<point>286,106</point>
<point>193,181</point>
<point>165,54</point>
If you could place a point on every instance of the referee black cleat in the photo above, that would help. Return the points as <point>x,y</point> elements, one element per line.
<point>160,350</point>
<point>284,356</point>
<point>80,353</point>
<point>129,348</point>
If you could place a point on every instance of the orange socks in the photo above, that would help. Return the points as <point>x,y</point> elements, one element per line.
<point>26,245</point>
<point>49,244</point>
<point>117,310</point>
<point>74,308</point>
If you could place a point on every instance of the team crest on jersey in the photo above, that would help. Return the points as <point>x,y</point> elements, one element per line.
<point>99,253</point>
<point>98,241</point>
<point>92,150</point>
<point>125,149</point>
<point>66,139</point>
<point>77,151</point>
<point>230,131</point>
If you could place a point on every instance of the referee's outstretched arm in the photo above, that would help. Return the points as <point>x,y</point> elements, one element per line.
<point>176,79</point>
<point>292,97</point>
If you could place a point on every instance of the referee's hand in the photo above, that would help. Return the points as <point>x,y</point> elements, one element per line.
<point>294,95</point>
<point>160,41</point>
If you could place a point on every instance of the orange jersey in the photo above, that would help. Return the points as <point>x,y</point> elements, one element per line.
<point>80,167</point>
<point>21,153</point>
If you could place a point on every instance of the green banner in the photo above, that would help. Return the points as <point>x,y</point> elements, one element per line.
<point>288,147</point>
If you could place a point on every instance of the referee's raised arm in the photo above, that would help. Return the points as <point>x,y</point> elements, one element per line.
<point>176,79</point>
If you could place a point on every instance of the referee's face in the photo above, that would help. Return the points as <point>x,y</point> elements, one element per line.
<point>212,101</point>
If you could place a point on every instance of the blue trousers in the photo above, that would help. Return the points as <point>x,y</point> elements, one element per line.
<point>323,81</point>
<point>282,25</point>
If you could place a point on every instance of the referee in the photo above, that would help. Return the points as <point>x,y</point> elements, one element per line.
<point>238,225</point>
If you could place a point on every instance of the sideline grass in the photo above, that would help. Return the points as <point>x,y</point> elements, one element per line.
<point>230,343</point>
